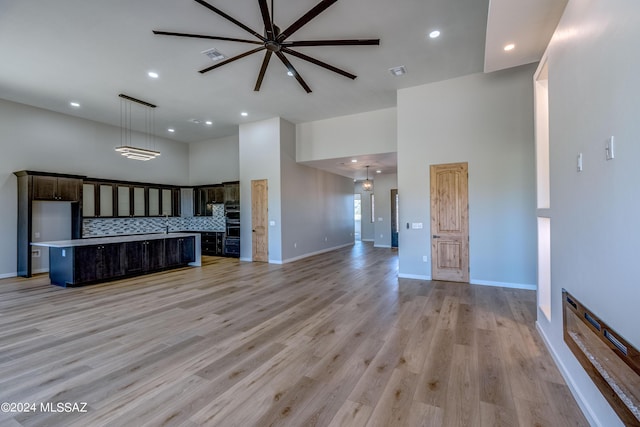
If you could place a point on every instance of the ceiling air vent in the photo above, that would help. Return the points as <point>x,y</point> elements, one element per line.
<point>213,54</point>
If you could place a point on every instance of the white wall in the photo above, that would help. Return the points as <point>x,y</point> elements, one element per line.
<point>41,140</point>
<point>317,206</point>
<point>487,121</point>
<point>214,161</point>
<point>372,132</point>
<point>260,159</point>
<point>382,186</point>
<point>594,93</point>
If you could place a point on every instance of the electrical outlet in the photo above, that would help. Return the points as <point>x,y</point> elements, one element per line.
<point>295,245</point>
<point>425,258</point>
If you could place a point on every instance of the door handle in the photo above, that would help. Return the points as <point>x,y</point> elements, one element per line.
<point>436,237</point>
<point>253,231</point>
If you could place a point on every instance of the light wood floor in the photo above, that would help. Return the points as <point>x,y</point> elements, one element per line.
<point>335,340</point>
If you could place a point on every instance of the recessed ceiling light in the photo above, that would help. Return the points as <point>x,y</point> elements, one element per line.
<point>74,104</point>
<point>434,34</point>
<point>354,161</point>
<point>398,71</point>
<point>172,130</point>
<point>509,47</point>
<point>208,123</point>
<point>244,114</point>
<point>378,171</point>
<point>289,73</point>
<point>153,74</point>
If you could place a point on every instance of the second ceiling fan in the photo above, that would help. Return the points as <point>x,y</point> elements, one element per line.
<point>275,41</point>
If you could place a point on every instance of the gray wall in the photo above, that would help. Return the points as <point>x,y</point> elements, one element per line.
<point>594,93</point>
<point>368,229</point>
<point>214,161</point>
<point>317,207</point>
<point>36,139</point>
<point>487,121</point>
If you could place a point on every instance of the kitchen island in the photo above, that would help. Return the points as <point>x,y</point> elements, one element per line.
<point>85,261</point>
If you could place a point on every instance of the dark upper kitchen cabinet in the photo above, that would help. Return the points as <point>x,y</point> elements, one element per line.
<point>45,187</point>
<point>231,191</point>
<point>56,188</point>
<point>128,199</point>
<point>205,197</point>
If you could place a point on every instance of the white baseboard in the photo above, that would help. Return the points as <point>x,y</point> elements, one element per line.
<point>586,409</point>
<point>246,259</point>
<point>322,251</point>
<point>382,246</point>
<point>40,270</point>
<point>367,240</point>
<point>8,275</point>
<point>414,276</point>
<point>504,284</point>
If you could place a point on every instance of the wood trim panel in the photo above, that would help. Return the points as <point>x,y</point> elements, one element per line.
<point>612,363</point>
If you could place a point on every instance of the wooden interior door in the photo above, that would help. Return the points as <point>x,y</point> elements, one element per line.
<point>450,222</point>
<point>259,220</point>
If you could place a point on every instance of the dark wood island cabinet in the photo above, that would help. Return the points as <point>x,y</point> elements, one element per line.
<point>85,261</point>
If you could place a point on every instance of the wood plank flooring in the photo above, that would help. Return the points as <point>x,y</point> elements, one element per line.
<point>332,340</point>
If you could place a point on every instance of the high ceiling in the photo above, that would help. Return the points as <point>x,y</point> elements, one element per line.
<point>89,51</point>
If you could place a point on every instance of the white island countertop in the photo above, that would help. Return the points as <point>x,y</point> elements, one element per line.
<point>112,239</point>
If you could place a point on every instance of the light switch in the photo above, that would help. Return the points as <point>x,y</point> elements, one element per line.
<point>579,165</point>
<point>609,148</point>
<point>272,223</point>
<point>416,225</point>
<point>37,234</point>
<point>380,219</point>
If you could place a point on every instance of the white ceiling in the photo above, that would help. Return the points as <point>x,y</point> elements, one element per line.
<point>89,51</point>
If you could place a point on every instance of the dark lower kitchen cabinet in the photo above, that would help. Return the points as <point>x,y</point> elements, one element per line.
<point>94,263</point>
<point>180,251</point>
<point>144,256</point>
<point>213,243</point>
<point>83,264</point>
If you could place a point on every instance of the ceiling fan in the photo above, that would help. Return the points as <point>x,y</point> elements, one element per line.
<point>276,42</point>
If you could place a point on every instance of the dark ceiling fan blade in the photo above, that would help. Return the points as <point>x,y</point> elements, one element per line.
<point>268,24</point>
<point>355,42</point>
<point>295,73</point>
<point>235,58</point>
<point>202,36</point>
<point>263,69</point>
<point>230,18</point>
<point>315,11</point>
<point>319,63</point>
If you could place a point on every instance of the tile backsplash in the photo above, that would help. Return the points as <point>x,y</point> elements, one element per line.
<point>100,227</point>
